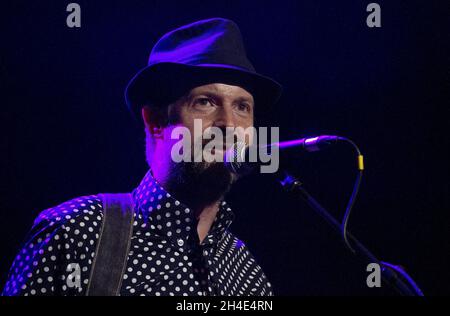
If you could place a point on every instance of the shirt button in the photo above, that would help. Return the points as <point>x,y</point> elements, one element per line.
<point>180,242</point>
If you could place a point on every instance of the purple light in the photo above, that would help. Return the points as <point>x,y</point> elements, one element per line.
<point>239,244</point>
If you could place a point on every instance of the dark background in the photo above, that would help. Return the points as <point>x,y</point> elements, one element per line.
<point>66,131</point>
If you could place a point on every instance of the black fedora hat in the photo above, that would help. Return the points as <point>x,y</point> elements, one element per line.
<point>206,51</point>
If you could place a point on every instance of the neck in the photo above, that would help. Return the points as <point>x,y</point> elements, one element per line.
<point>201,192</point>
<point>205,211</point>
<point>206,218</point>
<point>197,185</point>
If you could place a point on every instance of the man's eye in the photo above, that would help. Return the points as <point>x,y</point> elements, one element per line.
<point>202,101</point>
<point>244,107</point>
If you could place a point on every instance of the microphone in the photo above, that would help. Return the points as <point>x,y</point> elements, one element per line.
<point>242,159</point>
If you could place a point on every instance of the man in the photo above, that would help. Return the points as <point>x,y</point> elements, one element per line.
<point>179,242</point>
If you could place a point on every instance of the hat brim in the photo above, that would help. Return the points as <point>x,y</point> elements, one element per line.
<point>163,83</point>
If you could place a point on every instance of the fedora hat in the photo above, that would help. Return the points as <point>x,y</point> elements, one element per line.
<point>203,52</point>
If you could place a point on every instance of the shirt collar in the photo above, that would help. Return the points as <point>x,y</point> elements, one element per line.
<point>172,219</point>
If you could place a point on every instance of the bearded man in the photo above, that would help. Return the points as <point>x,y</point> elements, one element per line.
<point>170,235</point>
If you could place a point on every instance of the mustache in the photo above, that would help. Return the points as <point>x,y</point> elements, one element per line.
<point>218,143</point>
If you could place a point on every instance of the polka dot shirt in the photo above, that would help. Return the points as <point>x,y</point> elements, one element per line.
<point>165,256</point>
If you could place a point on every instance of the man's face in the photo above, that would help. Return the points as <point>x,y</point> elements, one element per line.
<point>216,105</point>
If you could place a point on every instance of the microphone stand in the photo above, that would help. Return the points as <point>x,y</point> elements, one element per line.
<point>389,273</point>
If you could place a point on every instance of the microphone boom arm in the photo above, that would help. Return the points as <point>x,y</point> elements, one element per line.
<point>389,272</point>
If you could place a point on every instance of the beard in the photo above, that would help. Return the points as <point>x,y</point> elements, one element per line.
<point>199,184</point>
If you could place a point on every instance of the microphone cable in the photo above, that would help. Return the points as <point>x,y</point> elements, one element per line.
<point>352,199</point>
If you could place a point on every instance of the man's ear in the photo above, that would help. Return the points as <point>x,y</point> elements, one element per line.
<point>152,121</point>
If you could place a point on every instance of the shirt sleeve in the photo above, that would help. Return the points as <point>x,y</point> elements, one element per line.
<point>58,252</point>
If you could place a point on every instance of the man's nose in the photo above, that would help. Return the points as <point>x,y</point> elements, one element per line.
<point>225,117</point>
